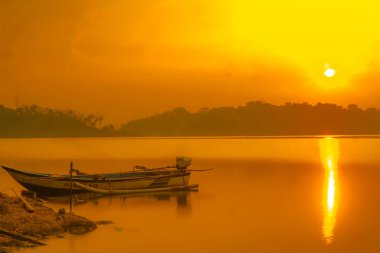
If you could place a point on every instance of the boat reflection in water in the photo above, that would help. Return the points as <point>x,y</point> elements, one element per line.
<point>182,199</point>
<point>329,149</point>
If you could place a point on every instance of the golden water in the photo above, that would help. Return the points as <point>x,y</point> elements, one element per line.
<point>264,195</point>
<point>329,149</point>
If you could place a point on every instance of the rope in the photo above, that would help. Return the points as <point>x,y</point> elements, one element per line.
<point>110,184</point>
<point>183,178</point>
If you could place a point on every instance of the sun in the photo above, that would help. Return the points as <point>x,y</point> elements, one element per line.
<point>329,72</point>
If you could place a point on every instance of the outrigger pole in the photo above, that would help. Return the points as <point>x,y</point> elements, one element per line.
<point>142,190</point>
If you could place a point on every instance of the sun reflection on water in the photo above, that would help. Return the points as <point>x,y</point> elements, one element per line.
<point>329,149</point>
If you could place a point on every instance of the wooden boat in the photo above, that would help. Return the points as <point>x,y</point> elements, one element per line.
<point>141,179</point>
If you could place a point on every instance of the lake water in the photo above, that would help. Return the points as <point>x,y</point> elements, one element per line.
<point>264,195</point>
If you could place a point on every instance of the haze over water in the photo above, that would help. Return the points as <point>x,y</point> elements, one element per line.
<point>264,195</point>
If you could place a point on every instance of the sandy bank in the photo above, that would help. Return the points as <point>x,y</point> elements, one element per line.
<point>37,225</point>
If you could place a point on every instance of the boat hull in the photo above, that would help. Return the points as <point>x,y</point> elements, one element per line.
<point>51,185</point>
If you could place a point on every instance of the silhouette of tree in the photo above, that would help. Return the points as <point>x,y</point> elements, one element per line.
<point>35,121</point>
<point>259,118</point>
<point>255,118</point>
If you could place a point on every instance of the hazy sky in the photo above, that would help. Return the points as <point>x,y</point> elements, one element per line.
<point>128,59</point>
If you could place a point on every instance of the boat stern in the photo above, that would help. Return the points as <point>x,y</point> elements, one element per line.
<point>182,162</point>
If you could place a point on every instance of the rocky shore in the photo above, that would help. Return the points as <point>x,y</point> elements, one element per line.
<point>16,220</point>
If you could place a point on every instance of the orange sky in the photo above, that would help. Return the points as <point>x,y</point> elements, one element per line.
<point>128,59</point>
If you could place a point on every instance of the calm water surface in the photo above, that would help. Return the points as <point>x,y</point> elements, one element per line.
<point>264,195</point>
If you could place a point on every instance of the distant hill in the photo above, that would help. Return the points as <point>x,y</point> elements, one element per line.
<point>35,121</point>
<point>256,118</point>
<point>259,118</point>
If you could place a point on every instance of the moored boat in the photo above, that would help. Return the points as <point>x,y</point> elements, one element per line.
<point>141,179</point>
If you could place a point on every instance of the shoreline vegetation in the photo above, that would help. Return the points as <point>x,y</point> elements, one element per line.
<point>257,118</point>
<point>20,227</point>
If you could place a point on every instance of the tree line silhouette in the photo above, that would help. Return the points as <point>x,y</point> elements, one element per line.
<point>255,118</point>
<point>35,121</point>
<point>259,118</point>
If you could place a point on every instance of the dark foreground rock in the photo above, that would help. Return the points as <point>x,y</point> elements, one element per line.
<point>37,225</point>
